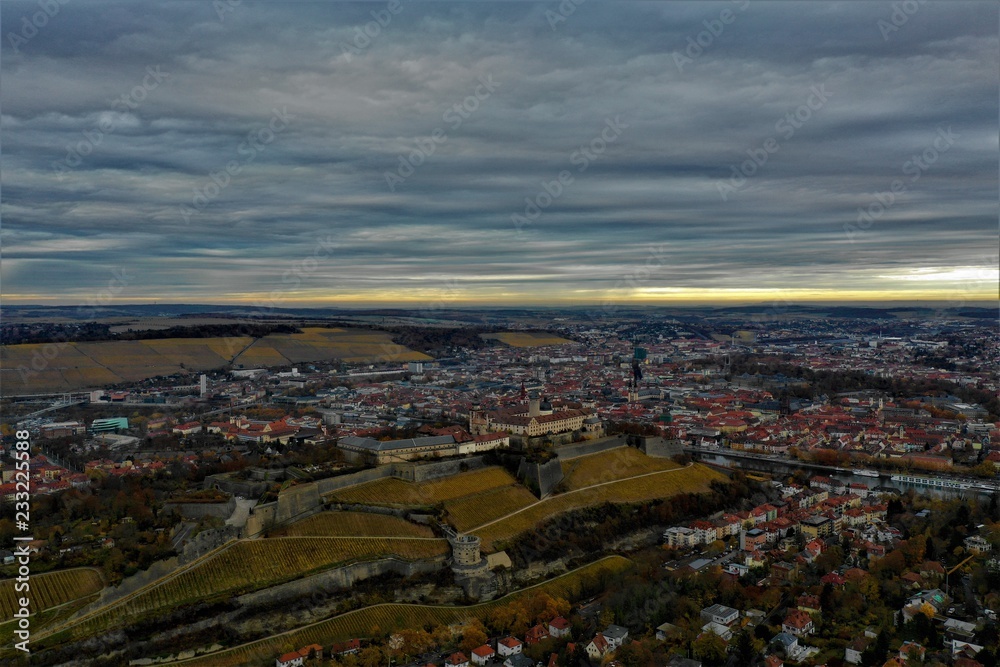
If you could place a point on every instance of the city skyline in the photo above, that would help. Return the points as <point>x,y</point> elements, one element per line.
<point>462,154</point>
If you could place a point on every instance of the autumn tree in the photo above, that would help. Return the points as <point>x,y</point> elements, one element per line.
<point>473,636</point>
<point>711,648</point>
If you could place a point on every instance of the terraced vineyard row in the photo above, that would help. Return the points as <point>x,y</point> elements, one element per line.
<point>345,524</point>
<point>611,465</point>
<point>694,479</point>
<point>394,491</point>
<point>252,565</point>
<point>50,589</point>
<point>471,511</point>
<point>391,617</point>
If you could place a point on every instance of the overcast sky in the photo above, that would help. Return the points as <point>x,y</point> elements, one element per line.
<point>383,152</point>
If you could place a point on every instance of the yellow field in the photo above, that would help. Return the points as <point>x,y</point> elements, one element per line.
<point>260,355</point>
<point>475,510</point>
<point>527,339</point>
<point>378,619</point>
<point>346,524</point>
<point>251,565</point>
<point>392,491</point>
<point>93,364</point>
<point>693,479</point>
<point>316,344</point>
<point>611,465</point>
<point>50,589</point>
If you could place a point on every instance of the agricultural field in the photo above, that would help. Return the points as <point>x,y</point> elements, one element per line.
<point>319,344</point>
<point>51,589</point>
<point>608,466</point>
<point>348,524</point>
<point>475,510</point>
<point>526,339</point>
<point>692,479</point>
<point>93,364</point>
<point>250,565</point>
<point>378,619</point>
<point>392,491</point>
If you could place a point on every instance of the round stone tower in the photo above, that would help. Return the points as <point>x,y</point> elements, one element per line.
<point>465,550</point>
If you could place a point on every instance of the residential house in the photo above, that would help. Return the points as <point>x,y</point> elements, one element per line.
<point>519,660</point>
<point>789,644</point>
<point>615,635</point>
<point>911,651</point>
<point>559,627</point>
<point>292,659</point>
<point>679,536</point>
<point>536,634</point>
<point>978,545</point>
<point>852,653</point>
<point>598,647</point>
<point>809,603</point>
<point>667,630</point>
<point>720,614</point>
<point>797,623</point>
<point>509,646</point>
<point>457,660</point>
<point>482,655</point>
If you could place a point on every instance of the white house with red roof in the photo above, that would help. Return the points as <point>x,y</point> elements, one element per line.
<point>509,646</point>
<point>797,623</point>
<point>292,659</point>
<point>559,627</point>
<point>482,654</point>
<point>457,660</point>
<point>598,647</point>
<point>188,428</point>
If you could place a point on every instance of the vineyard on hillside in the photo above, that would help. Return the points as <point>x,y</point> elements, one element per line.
<point>383,618</point>
<point>392,491</point>
<point>475,510</point>
<point>619,463</point>
<point>50,589</point>
<point>251,565</point>
<point>346,524</point>
<point>695,479</point>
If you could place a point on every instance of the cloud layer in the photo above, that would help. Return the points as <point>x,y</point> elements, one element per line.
<point>499,152</point>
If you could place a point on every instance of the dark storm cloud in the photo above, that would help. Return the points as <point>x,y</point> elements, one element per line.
<point>119,121</point>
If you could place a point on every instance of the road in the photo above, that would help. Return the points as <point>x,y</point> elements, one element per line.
<point>177,541</point>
